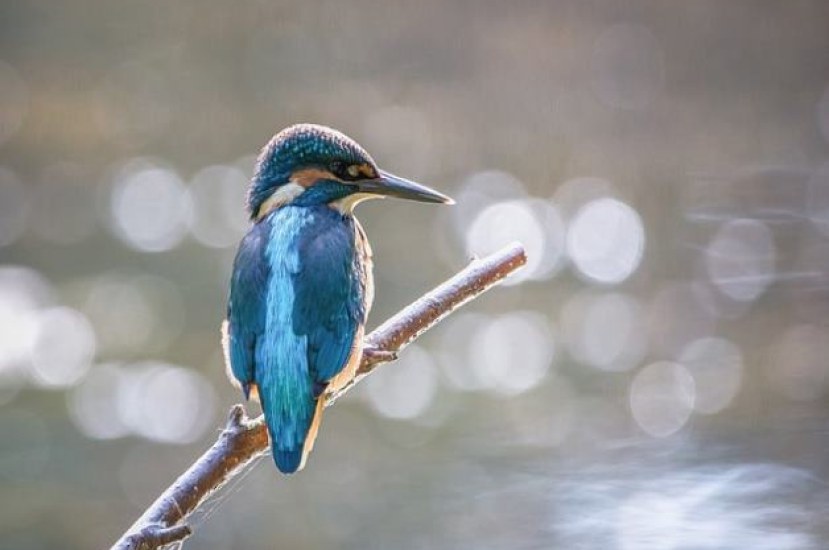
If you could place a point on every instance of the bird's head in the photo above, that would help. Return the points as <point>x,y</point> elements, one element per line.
<point>308,164</point>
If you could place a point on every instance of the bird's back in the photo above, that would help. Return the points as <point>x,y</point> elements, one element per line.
<point>298,302</point>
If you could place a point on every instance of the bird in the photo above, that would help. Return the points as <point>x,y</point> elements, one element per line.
<point>301,286</point>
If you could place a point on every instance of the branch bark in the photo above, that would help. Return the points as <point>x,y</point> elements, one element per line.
<point>244,439</point>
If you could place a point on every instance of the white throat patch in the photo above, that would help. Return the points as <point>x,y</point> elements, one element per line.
<point>346,204</point>
<point>282,196</point>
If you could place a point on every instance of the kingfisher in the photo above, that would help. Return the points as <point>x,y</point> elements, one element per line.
<point>302,285</point>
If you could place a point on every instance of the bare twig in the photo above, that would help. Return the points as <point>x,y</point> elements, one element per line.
<point>244,440</point>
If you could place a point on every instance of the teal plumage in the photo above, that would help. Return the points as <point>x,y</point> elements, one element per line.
<point>297,300</point>
<point>301,286</point>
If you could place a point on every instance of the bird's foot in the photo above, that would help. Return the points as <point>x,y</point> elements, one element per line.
<point>373,355</point>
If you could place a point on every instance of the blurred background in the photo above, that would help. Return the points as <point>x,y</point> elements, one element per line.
<point>656,378</point>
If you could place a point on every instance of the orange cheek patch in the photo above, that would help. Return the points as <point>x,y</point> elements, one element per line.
<point>309,176</point>
<point>367,171</point>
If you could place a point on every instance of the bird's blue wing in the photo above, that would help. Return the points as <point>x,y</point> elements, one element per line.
<point>246,305</point>
<point>303,322</point>
<point>312,311</point>
<point>329,297</point>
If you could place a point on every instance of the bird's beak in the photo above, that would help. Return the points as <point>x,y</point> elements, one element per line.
<point>390,185</point>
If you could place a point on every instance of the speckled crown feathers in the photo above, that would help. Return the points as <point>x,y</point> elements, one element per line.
<point>299,146</point>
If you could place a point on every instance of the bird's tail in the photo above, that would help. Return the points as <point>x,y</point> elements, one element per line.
<point>293,460</point>
<point>288,461</point>
<point>292,428</point>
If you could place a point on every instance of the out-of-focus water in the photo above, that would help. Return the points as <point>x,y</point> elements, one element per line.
<point>655,378</point>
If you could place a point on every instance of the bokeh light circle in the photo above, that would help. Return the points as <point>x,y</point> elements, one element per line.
<point>574,193</point>
<point>455,343</point>
<point>23,292</point>
<point>93,404</point>
<point>151,209</point>
<point>606,240</point>
<point>134,313</point>
<point>512,352</point>
<point>716,364</point>
<point>535,224</point>
<point>605,331</point>
<point>166,403</point>
<point>63,349</point>
<point>740,259</point>
<point>481,190</point>
<point>219,216</point>
<point>405,391</point>
<point>662,398</point>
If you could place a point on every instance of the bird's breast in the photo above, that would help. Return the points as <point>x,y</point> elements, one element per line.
<point>365,259</point>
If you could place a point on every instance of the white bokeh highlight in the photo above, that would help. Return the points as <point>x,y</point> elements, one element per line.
<point>535,224</point>
<point>741,259</point>
<point>93,404</point>
<point>63,348</point>
<point>406,391</point>
<point>604,331</point>
<point>134,314</point>
<point>479,191</point>
<point>219,215</point>
<point>574,193</point>
<point>662,398</point>
<point>512,352</point>
<point>606,241</point>
<point>716,364</point>
<point>166,403</point>
<point>150,207</point>
<point>23,292</point>
<point>455,336</point>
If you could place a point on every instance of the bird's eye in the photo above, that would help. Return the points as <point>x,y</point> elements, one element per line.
<point>351,172</point>
<point>344,171</point>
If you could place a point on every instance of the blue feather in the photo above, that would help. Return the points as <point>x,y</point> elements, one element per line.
<point>245,307</point>
<point>329,305</point>
<point>288,461</point>
<point>296,306</point>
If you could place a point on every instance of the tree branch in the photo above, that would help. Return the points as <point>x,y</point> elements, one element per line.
<point>243,439</point>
